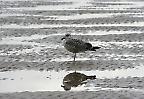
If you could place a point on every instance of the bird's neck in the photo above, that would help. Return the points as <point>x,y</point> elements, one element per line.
<point>68,38</point>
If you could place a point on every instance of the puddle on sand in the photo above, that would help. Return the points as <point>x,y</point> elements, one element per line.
<point>31,80</point>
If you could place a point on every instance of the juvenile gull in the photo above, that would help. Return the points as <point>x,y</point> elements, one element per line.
<point>77,45</point>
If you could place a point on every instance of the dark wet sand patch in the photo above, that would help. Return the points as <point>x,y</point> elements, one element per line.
<point>14,64</point>
<point>75,95</point>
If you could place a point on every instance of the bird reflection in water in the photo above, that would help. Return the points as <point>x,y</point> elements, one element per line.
<point>74,79</point>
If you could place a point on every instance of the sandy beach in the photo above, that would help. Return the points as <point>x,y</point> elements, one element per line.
<point>34,63</point>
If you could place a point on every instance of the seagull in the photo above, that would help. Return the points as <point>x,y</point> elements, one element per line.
<point>77,45</point>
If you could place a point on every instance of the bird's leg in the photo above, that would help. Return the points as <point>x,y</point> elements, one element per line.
<point>74,56</point>
<point>74,60</point>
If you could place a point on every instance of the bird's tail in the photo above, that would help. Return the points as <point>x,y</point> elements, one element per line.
<point>91,77</point>
<point>91,48</point>
<point>94,48</point>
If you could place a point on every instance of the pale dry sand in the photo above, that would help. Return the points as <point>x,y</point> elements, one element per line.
<point>30,40</point>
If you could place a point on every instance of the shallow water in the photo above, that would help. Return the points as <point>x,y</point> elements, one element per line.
<point>31,80</point>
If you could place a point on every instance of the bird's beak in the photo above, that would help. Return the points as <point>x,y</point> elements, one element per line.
<point>62,86</point>
<point>63,38</point>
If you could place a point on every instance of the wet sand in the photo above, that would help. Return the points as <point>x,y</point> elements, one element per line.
<point>30,44</point>
<point>75,95</point>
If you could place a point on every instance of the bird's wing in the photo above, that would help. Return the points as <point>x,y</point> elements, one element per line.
<point>75,42</point>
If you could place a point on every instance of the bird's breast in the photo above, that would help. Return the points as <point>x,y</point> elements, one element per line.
<point>71,48</point>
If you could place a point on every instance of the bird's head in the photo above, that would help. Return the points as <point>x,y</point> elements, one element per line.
<point>66,36</point>
<point>66,88</point>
